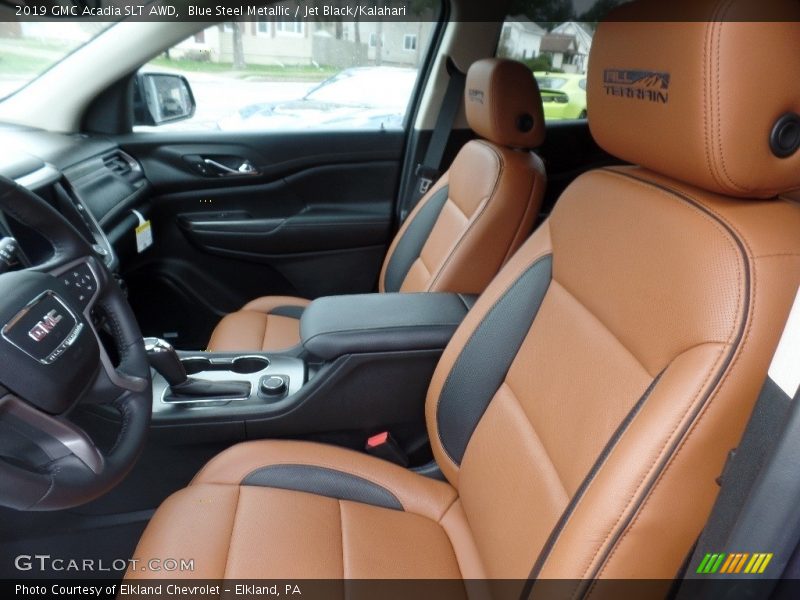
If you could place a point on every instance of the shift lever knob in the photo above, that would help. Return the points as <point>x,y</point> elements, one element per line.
<point>165,360</point>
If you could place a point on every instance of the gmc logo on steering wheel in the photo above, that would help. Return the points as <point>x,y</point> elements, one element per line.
<point>43,328</point>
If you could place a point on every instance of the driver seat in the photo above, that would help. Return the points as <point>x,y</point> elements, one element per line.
<point>586,405</point>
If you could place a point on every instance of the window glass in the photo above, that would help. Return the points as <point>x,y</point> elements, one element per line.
<point>553,39</point>
<point>548,82</point>
<point>28,49</point>
<point>269,75</point>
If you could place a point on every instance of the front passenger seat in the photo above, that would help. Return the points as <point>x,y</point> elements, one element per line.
<point>586,405</point>
<point>462,231</point>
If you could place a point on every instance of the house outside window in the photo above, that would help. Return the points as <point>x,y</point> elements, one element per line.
<point>289,27</point>
<point>373,40</point>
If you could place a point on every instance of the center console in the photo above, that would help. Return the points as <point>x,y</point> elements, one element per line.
<point>227,386</point>
<point>366,364</point>
<point>230,380</point>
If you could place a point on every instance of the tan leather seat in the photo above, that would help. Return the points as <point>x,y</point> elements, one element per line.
<point>463,230</point>
<point>587,403</point>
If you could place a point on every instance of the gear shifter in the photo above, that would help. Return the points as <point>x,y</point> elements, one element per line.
<point>165,360</point>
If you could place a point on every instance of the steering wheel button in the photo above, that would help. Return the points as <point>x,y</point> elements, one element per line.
<point>82,283</point>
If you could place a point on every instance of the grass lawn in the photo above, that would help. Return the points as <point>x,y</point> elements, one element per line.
<point>22,56</point>
<point>42,44</point>
<point>12,63</point>
<point>271,72</point>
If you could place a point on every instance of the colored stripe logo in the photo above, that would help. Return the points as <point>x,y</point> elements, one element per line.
<point>733,563</point>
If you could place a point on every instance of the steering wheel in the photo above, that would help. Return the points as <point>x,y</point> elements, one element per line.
<point>52,359</point>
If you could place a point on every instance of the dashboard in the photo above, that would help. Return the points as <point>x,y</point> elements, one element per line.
<point>88,179</point>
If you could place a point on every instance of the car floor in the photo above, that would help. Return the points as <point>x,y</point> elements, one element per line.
<point>106,540</point>
<point>107,528</point>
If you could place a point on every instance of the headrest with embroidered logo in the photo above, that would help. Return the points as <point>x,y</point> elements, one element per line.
<point>503,103</point>
<point>713,101</point>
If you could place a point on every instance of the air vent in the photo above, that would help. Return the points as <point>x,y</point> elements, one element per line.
<point>121,164</point>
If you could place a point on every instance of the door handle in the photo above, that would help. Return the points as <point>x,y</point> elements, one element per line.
<point>244,168</point>
<point>221,165</point>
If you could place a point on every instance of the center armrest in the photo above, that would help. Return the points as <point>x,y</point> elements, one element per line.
<point>339,325</point>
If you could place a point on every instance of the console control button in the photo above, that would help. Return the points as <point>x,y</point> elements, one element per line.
<point>273,385</point>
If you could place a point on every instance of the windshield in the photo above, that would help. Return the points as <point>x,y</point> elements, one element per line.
<point>28,49</point>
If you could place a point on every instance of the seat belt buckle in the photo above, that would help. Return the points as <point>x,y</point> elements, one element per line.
<point>384,446</point>
<point>425,177</point>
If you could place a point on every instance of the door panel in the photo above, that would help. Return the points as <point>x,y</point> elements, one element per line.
<point>239,234</point>
<point>315,220</point>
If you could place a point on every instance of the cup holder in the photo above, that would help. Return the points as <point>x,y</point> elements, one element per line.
<point>194,366</point>
<point>241,365</point>
<point>245,365</point>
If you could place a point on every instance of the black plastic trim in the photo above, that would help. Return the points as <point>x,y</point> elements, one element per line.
<point>784,139</point>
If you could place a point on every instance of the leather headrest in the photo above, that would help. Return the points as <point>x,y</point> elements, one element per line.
<point>712,101</point>
<point>503,103</point>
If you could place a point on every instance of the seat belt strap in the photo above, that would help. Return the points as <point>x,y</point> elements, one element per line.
<point>754,526</point>
<point>429,170</point>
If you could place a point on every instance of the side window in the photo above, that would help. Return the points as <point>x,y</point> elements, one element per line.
<point>268,75</point>
<point>554,40</point>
